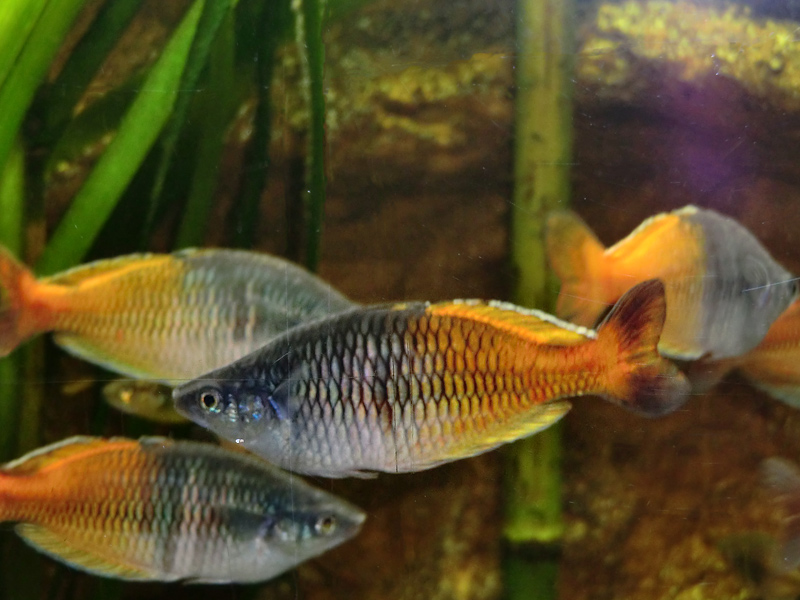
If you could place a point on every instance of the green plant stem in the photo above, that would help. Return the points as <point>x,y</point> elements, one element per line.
<point>312,49</point>
<point>17,19</point>
<point>83,63</point>
<point>137,133</point>
<point>216,105</point>
<point>31,66</point>
<point>12,203</point>
<point>212,18</point>
<point>273,21</point>
<point>542,176</point>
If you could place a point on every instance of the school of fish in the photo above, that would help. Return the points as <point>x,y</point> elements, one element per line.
<point>274,360</point>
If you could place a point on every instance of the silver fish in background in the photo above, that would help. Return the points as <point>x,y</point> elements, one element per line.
<point>145,399</point>
<point>161,510</point>
<point>724,290</point>
<point>165,317</point>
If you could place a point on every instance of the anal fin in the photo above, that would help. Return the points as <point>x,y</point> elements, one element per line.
<point>61,550</point>
<point>532,421</point>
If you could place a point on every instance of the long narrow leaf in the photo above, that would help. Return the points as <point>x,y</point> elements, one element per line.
<point>31,65</point>
<point>272,23</point>
<point>311,46</point>
<point>216,106</point>
<point>85,60</point>
<point>17,18</point>
<point>137,134</point>
<point>12,203</point>
<point>213,15</point>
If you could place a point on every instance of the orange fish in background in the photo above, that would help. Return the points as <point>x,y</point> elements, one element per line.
<point>773,366</point>
<point>724,290</point>
<point>160,510</point>
<point>166,317</point>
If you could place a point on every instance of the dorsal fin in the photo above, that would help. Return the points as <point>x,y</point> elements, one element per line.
<point>534,325</point>
<point>81,273</point>
<point>70,448</point>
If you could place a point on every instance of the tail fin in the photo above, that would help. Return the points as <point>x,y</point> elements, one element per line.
<point>12,276</point>
<point>639,378</point>
<point>574,252</point>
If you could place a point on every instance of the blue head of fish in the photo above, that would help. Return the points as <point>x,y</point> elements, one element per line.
<point>255,412</point>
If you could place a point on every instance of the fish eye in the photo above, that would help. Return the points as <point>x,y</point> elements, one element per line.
<point>211,400</point>
<point>325,525</point>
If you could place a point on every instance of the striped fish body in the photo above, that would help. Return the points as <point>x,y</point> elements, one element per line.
<point>166,317</point>
<point>162,510</point>
<point>723,288</point>
<point>410,387</point>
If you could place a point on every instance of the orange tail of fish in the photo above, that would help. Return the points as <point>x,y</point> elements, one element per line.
<point>575,255</point>
<point>13,278</point>
<point>638,377</point>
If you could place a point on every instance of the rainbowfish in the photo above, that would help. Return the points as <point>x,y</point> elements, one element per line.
<point>146,399</point>
<point>411,386</point>
<point>723,288</point>
<point>166,317</point>
<point>161,510</point>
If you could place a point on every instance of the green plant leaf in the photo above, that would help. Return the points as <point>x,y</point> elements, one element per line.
<point>213,15</point>
<point>83,63</point>
<point>309,39</point>
<point>217,108</point>
<point>273,21</point>
<point>17,18</point>
<point>30,67</point>
<point>137,133</point>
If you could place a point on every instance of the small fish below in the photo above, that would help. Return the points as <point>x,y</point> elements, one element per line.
<point>165,317</point>
<point>144,399</point>
<point>724,290</point>
<point>408,387</point>
<point>161,510</point>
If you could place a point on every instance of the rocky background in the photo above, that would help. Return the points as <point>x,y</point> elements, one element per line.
<point>674,103</point>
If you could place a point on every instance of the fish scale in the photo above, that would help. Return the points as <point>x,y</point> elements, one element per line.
<point>407,387</point>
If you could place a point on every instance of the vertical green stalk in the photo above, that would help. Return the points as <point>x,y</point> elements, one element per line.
<point>542,182</point>
<point>17,18</point>
<point>31,65</point>
<point>12,203</point>
<point>272,21</point>
<point>217,107</point>
<point>312,49</point>
<point>84,61</point>
<point>137,133</point>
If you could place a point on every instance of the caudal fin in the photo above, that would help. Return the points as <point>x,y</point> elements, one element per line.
<point>12,277</point>
<point>638,377</point>
<point>574,254</point>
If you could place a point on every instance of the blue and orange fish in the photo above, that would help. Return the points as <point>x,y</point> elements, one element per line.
<point>411,386</point>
